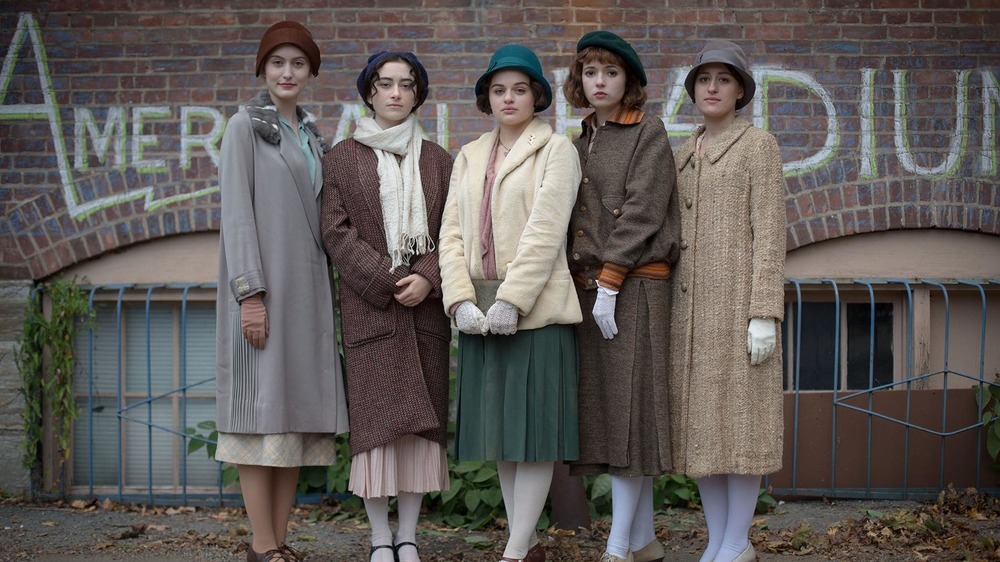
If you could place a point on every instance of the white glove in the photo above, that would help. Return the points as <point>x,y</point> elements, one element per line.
<point>761,339</point>
<point>604,312</point>
<point>470,319</point>
<point>502,318</point>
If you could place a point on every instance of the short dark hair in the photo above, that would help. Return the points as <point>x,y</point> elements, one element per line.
<point>541,100</point>
<point>420,93</point>
<point>635,95</point>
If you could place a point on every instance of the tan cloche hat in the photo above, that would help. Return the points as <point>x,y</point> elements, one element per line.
<point>725,52</point>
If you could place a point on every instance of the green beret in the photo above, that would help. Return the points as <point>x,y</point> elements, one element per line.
<point>618,46</point>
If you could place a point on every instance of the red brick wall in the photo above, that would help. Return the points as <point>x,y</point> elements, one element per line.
<point>886,110</point>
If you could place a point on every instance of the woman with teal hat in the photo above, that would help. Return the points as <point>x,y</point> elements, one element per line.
<point>625,234</point>
<point>726,372</point>
<point>505,281</point>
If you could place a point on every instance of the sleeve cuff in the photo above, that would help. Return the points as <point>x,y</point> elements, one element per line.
<point>248,284</point>
<point>612,276</point>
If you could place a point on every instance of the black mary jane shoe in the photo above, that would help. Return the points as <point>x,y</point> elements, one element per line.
<point>398,546</point>
<point>374,548</point>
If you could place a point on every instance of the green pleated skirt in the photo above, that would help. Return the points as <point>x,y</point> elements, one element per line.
<point>517,396</point>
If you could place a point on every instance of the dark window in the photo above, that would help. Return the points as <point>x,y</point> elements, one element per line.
<point>863,371</point>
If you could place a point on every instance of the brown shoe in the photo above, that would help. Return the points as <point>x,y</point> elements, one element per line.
<point>535,554</point>
<point>291,554</point>
<point>652,552</point>
<point>273,555</point>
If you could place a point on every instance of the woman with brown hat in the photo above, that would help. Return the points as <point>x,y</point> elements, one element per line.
<point>280,396</point>
<point>382,200</point>
<point>505,281</point>
<point>624,239</point>
<point>728,301</point>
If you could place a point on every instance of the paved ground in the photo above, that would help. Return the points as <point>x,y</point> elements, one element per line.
<point>115,533</point>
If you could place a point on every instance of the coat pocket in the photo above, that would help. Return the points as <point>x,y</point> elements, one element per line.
<point>362,323</point>
<point>613,203</point>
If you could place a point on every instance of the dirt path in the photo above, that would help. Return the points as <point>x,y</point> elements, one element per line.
<point>54,532</point>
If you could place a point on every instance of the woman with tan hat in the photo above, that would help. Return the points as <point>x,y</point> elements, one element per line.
<point>279,390</point>
<point>505,281</point>
<point>384,191</point>
<point>728,301</point>
<point>624,239</point>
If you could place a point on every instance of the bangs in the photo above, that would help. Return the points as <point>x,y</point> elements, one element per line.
<point>601,56</point>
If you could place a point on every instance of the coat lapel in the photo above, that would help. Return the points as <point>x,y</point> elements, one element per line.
<point>368,180</point>
<point>292,155</point>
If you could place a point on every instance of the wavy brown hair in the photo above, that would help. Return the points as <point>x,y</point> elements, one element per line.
<point>635,94</point>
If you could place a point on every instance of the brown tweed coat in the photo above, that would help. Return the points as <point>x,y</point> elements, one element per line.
<point>626,214</point>
<point>397,356</point>
<point>727,414</point>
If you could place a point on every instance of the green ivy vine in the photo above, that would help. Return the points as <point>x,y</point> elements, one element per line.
<point>45,359</point>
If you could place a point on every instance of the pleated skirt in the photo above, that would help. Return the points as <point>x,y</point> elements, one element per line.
<point>408,464</point>
<point>277,449</point>
<point>517,396</point>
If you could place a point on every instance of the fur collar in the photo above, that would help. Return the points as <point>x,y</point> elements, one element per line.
<point>264,117</point>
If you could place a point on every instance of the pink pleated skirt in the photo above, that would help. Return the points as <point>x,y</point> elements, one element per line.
<point>408,464</point>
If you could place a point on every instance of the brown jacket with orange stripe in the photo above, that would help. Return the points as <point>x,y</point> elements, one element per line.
<point>624,231</point>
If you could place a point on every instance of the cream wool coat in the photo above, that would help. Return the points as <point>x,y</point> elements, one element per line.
<point>726,414</point>
<point>532,201</point>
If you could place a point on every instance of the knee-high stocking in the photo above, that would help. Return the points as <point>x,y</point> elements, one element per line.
<point>531,489</point>
<point>742,493</point>
<point>713,492</point>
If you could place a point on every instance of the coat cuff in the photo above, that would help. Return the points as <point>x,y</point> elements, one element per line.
<point>248,284</point>
<point>612,276</point>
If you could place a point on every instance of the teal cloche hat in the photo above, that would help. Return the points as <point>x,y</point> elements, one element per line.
<point>618,46</point>
<point>516,57</point>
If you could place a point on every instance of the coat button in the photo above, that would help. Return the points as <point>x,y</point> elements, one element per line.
<point>688,202</point>
<point>586,181</point>
<point>684,244</point>
<point>576,256</point>
<point>590,282</point>
<point>579,232</point>
<point>684,287</point>
<point>583,208</point>
<point>616,212</point>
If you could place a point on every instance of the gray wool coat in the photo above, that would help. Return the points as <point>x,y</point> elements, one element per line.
<point>726,413</point>
<point>626,215</point>
<point>397,356</point>
<point>270,243</point>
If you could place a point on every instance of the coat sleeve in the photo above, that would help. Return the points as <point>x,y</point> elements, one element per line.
<point>360,266</point>
<point>456,282</point>
<point>544,234</point>
<point>767,224</point>
<point>427,265</point>
<point>648,188</point>
<point>239,226</point>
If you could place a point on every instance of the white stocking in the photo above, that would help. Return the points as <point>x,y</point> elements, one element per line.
<point>531,489</point>
<point>625,493</point>
<point>642,532</point>
<point>742,495</point>
<point>378,517</point>
<point>408,504</point>
<point>713,491</point>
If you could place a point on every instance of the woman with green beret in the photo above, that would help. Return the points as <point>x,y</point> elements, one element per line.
<point>505,281</point>
<point>625,231</point>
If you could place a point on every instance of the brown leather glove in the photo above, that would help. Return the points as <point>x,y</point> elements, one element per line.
<point>253,320</point>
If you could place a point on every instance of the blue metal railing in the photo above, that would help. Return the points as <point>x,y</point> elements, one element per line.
<point>844,401</point>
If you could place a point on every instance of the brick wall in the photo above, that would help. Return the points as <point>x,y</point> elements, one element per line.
<point>110,118</point>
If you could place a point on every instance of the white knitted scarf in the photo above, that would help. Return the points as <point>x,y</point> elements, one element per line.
<point>404,213</point>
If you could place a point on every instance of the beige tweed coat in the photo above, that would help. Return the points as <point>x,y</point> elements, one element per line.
<point>726,414</point>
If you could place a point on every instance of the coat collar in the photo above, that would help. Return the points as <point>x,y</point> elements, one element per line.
<point>264,118</point>
<point>534,137</point>
<point>718,148</point>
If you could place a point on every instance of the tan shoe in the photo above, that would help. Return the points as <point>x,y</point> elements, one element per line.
<point>652,552</point>
<point>748,555</point>
<point>608,557</point>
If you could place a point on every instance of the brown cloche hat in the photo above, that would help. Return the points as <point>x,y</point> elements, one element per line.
<point>725,52</point>
<point>288,33</point>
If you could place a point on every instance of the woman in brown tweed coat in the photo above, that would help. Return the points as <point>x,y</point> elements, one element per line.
<point>384,192</point>
<point>725,371</point>
<point>624,235</point>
